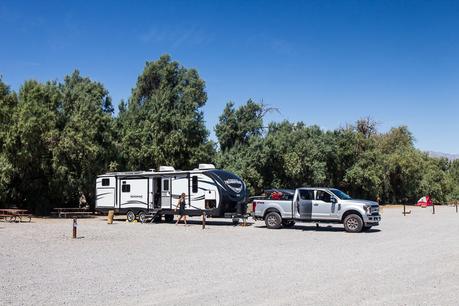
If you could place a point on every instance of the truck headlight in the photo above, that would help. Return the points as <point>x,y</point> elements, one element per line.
<point>367,209</point>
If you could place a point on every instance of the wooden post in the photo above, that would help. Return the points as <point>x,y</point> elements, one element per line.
<point>456,207</point>
<point>111,213</point>
<point>404,210</point>
<point>203,220</point>
<point>74,228</point>
<point>433,208</point>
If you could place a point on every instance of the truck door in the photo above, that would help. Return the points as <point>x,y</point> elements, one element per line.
<point>322,205</point>
<point>166,196</point>
<point>304,204</point>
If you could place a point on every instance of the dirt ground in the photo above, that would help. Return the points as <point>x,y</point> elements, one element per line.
<point>410,260</point>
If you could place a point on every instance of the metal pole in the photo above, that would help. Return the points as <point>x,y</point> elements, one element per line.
<point>404,209</point>
<point>74,228</point>
<point>456,207</point>
<point>433,209</point>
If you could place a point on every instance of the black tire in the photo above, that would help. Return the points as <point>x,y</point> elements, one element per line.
<point>353,223</point>
<point>273,220</point>
<point>130,216</point>
<point>288,223</point>
<point>169,218</point>
<point>235,221</point>
<point>367,228</point>
<point>141,216</point>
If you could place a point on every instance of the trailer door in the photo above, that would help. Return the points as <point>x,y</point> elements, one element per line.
<point>166,196</point>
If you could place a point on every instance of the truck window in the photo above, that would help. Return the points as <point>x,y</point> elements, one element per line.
<point>323,196</point>
<point>307,194</point>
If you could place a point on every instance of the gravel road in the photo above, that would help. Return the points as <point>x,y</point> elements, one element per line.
<point>410,260</point>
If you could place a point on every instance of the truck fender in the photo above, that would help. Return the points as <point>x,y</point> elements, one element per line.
<point>351,211</point>
<point>271,209</point>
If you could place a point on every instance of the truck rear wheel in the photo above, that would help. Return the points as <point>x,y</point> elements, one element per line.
<point>169,218</point>
<point>130,216</point>
<point>273,220</point>
<point>353,223</point>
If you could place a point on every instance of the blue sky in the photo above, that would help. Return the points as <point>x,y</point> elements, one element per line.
<point>321,62</point>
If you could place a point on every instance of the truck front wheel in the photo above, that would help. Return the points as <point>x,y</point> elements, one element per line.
<point>273,220</point>
<point>353,223</point>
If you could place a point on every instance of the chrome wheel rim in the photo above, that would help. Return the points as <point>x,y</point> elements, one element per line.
<point>142,217</point>
<point>272,220</point>
<point>130,216</point>
<point>352,223</point>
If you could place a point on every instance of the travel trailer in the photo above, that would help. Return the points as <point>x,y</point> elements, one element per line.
<point>143,194</point>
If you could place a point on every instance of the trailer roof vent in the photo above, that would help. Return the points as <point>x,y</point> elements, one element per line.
<point>166,168</point>
<point>206,166</point>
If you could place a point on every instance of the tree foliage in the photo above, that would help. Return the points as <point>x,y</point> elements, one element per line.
<point>163,123</point>
<point>56,137</point>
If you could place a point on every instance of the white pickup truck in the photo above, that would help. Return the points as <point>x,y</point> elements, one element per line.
<point>283,207</point>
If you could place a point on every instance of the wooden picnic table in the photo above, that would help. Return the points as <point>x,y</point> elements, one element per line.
<point>14,214</point>
<point>71,212</point>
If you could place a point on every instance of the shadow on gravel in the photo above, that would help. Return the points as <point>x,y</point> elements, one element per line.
<point>324,228</point>
<point>212,223</point>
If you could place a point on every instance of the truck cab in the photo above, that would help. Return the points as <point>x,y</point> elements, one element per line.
<point>282,208</point>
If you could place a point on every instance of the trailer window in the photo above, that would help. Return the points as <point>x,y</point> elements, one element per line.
<point>166,185</point>
<point>307,194</point>
<point>106,182</point>
<point>126,188</point>
<point>195,184</point>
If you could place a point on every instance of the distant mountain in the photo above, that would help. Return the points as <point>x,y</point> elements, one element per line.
<point>445,155</point>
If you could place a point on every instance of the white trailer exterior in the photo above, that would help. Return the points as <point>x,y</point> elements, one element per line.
<point>216,192</point>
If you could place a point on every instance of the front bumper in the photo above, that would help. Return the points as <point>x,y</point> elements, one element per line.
<point>372,219</point>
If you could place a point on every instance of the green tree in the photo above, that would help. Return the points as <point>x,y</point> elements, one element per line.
<point>28,147</point>
<point>84,146</point>
<point>237,126</point>
<point>8,104</point>
<point>163,123</point>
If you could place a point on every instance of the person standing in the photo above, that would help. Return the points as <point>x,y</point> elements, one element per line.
<point>181,207</point>
<point>82,201</point>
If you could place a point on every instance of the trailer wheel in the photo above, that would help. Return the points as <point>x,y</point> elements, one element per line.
<point>288,223</point>
<point>142,217</point>
<point>273,220</point>
<point>130,216</point>
<point>235,221</point>
<point>169,218</point>
<point>353,223</point>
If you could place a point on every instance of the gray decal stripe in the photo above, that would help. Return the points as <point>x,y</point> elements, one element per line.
<point>134,202</point>
<point>198,198</point>
<point>102,194</point>
<point>207,182</point>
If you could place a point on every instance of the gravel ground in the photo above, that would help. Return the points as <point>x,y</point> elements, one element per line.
<point>410,260</point>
